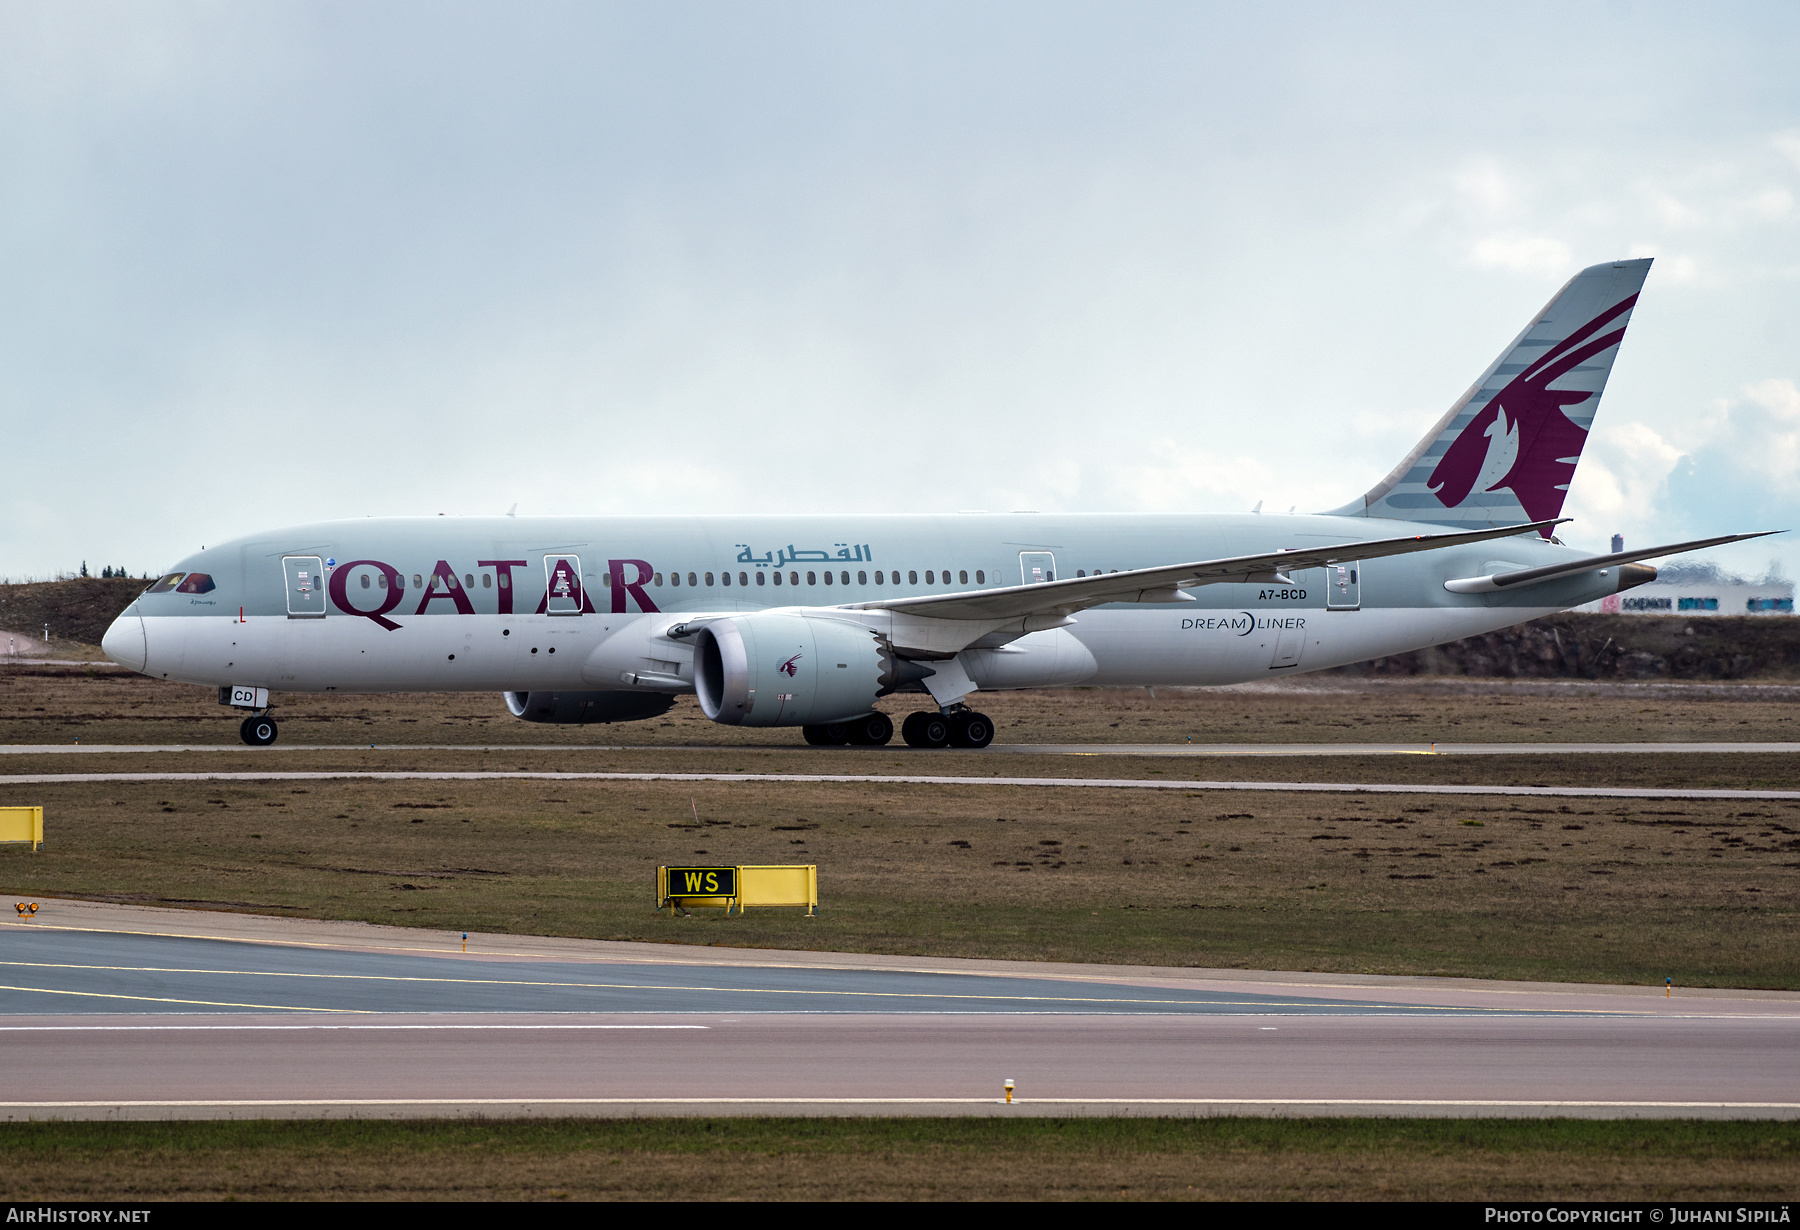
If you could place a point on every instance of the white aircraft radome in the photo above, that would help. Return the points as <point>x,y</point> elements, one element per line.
<point>811,621</point>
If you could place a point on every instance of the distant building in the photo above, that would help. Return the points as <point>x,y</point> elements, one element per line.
<point>1700,588</point>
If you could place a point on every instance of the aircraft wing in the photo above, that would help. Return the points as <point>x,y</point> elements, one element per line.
<point>1495,582</point>
<point>1165,584</point>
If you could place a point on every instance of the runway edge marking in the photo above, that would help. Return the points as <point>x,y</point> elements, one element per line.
<point>1570,792</point>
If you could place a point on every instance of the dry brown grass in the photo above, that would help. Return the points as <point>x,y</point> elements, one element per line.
<point>1222,1159</point>
<point>1491,887</point>
<point>100,705</point>
<point>1496,887</point>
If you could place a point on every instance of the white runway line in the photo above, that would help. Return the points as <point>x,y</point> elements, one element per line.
<point>1027,749</point>
<point>1446,1104</point>
<point>184,1028</point>
<point>1116,783</point>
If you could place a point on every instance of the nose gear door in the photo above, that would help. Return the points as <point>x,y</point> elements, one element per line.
<point>305,586</point>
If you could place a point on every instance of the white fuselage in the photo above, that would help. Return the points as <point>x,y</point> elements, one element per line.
<point>471,604</point>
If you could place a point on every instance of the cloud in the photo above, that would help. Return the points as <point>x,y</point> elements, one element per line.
<point>1185,480</point>
<point>1520,253</point>
<point>1489,189</point>
<point>1770,203</point>
<point>1666,211</point>
<point>1764,430</point>
<point>1746,473</point>
<point>1619,486</point>
<point>1737,470</point>
<point>1788,143</point>
<point>1674,269</point>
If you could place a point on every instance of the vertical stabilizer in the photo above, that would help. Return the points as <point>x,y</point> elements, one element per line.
<point>1506,451</point>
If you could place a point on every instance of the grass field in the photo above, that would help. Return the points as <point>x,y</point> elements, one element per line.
<point>57,704</point>
<point>1491,887</point>
<point>904,1159</point>
<point>1599,890</point>
<point>1503,886</point>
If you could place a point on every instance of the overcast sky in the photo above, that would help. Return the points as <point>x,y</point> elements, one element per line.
<point>264,263</point>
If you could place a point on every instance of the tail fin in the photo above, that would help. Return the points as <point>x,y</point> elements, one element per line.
<point>1505,452</point>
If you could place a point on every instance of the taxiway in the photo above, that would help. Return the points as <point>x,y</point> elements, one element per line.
<point>129,1012</point>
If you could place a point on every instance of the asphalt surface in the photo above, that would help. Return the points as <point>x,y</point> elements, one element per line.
<point>1019,749</point>
<point>915,779</point>
<point>116,1012</point>
<point>82,972</point>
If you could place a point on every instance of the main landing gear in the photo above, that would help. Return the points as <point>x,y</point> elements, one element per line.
<point>258,731</point>
<point>961,727</point>
<point>870,730</point>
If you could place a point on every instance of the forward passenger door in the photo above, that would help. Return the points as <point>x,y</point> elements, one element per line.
<point>562,585</point>
<point>305,576</point>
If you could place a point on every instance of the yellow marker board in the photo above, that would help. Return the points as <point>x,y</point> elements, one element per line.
<point>793,884</point>
<point>22,824</point>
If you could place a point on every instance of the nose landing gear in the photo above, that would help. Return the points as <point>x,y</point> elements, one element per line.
<point>258,731</point>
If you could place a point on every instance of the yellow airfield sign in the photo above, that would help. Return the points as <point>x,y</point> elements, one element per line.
<point>740,886</point>
<point>22,824</point>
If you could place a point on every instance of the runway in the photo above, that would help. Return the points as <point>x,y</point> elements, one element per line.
<point>898,779</point>
<point>996,749</point>
<point>119,1012</point>
<point>97,972</point>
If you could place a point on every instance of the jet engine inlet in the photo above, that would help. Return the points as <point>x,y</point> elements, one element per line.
<point>721,674</point>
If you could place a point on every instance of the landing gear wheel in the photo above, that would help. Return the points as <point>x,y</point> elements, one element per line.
<point>258,731</point>
<point>831,734</point>
<point>926,730</point>
<point>969,729</point>
<point>872,730</point>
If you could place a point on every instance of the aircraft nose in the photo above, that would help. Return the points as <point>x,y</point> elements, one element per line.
<point>124,641</point>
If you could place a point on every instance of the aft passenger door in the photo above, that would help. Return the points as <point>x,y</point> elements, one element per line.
<point>1343,586</point>
<point>562,585</point>
<point>305,576</point>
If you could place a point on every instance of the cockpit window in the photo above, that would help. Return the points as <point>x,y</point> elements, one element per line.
<point>166,584</point>
<point>197,583</point>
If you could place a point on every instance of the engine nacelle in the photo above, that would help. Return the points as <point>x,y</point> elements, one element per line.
<point>777,669</point>
<point>580,708</point>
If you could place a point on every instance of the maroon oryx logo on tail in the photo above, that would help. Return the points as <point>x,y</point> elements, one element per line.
<point>788,668</point>
<point>1522,439</point>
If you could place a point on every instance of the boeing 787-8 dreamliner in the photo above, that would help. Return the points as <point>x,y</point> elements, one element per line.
<point>811,621</point>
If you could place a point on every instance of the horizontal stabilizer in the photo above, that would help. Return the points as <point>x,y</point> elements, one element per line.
<point>1495,582</point>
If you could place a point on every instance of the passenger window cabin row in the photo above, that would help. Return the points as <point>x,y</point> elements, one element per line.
<point>882,577</point>
<point>200,583</point>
